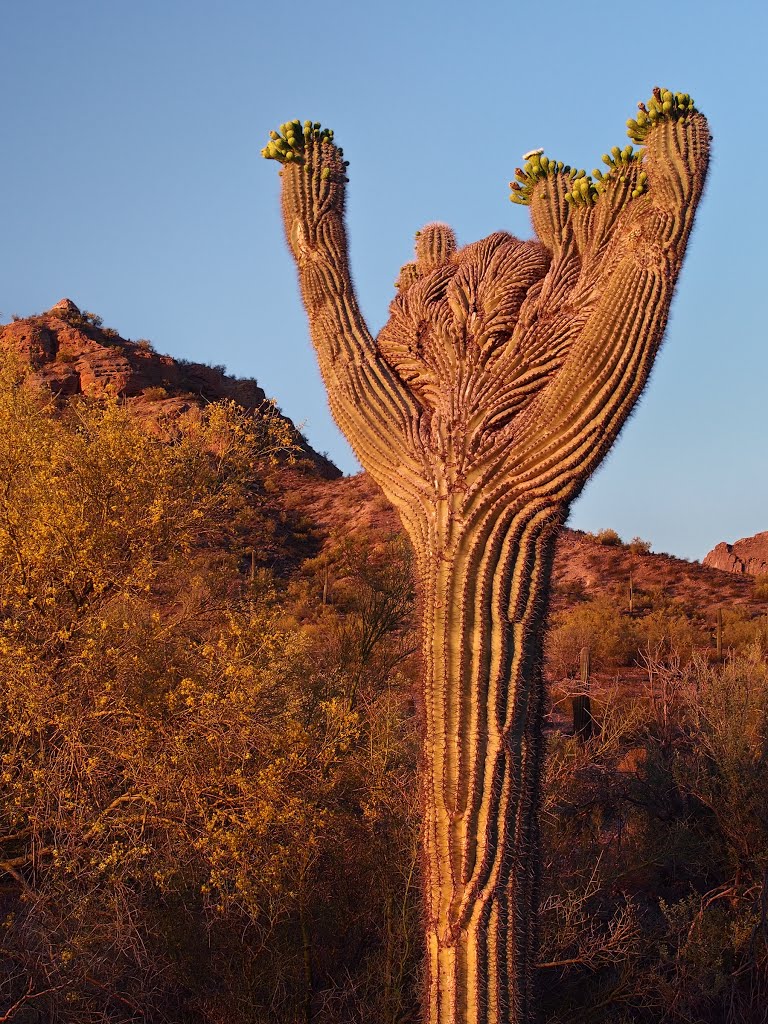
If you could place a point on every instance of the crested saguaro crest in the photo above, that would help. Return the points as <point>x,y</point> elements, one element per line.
<point>501,380</point>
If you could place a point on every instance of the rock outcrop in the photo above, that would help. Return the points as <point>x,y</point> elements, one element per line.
<point>73,354</point>
<point>747,556</point>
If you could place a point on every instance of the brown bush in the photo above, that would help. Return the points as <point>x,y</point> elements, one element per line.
<point>609,538</point>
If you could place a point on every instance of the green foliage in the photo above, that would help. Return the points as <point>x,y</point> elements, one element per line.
<point>742,629</point>
<point>615,638</point>
<point>195,791</point>
<point>597,624</point>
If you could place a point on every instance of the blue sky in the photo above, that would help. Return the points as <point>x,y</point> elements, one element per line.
<point>131,182</point>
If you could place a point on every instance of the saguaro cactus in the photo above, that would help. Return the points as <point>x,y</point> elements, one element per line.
<point>502,378</point>
<point>582,702</point>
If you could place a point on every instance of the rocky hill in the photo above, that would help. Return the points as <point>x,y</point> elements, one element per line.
<point>72,353</point>
<point>748,556</point>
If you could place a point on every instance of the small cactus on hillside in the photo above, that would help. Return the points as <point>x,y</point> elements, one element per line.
<point>500,382</point>
<point>585,669</point>
<point>582,702</point>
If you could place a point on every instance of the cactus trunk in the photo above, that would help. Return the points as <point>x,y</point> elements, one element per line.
<point>482,615</point>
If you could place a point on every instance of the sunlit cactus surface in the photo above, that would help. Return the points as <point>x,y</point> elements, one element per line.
<point>502,378</point>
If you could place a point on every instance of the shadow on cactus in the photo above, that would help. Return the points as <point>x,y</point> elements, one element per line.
<point>502,378</point>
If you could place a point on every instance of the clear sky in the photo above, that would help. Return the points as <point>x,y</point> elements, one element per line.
<point>131,182</point>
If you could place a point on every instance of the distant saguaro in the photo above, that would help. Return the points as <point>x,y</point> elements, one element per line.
<point>501,380</point>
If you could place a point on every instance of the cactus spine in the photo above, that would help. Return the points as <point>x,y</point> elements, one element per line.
<point>500,382</point>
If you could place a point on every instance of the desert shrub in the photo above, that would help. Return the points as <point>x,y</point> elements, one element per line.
<point>761,588</point>
<point>655,870</point>
<point>665,632</point>
<point>616,639</point>
<point>81,318</point>
<point>742,629</point>
<point>597,624</point>
<point>192,800</point>
<point>571,590</point>
<point>638,546</point>
<point>155,394</point>
<point>92,319</point>
<point>609,538</point>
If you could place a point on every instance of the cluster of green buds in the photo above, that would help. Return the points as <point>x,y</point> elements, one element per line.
<point>584,191</point>
<point>536,168</point>
<point>618,162</point>
<point>289,143</point>
<point>663,105</point>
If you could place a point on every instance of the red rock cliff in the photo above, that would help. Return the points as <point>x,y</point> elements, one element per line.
<point>749,556</point>
<point>73,354</point>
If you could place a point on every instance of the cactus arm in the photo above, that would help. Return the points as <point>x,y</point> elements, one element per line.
<point>631,237</point>
<point>371,406</point>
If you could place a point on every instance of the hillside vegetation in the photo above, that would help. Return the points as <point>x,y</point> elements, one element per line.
<point>208,806</point>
